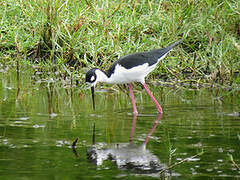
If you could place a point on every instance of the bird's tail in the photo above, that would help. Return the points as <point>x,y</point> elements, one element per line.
<point>174,44</point>
<point>159,54</point>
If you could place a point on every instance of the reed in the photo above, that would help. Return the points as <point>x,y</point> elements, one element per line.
<point>95,33</point>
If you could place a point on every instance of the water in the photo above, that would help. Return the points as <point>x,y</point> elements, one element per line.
<point>40,119</point>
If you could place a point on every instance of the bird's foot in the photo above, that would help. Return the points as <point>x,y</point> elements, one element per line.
<point>135,113</point>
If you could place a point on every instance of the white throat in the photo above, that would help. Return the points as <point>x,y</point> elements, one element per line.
<point>101,76</point>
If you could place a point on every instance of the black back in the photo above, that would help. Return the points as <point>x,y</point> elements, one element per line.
<point>136,59</point>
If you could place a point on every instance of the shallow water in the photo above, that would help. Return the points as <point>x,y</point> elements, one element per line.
<point>40,119</point>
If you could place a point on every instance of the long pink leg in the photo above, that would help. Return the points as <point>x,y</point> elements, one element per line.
<point>133,126</point>
<point>153,128</point>
<point>153,98</point>
<point>132,98</point>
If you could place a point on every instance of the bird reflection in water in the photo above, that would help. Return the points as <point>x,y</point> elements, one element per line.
<point>136,158</point>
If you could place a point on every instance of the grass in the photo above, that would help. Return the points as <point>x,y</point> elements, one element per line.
<point>78,34</point>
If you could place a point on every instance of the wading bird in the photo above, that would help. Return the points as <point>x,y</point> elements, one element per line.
<point>128,69</point>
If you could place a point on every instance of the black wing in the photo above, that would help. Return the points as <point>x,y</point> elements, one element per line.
<point>136,59</point>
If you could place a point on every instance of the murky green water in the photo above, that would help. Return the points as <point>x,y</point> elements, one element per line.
<point>39,120</point>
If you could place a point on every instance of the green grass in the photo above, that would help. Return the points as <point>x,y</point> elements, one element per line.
<point>88,33</point>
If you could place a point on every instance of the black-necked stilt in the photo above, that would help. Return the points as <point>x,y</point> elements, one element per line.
<point>131,68</point>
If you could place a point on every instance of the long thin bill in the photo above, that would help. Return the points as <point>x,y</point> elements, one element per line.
<point>92,89</point>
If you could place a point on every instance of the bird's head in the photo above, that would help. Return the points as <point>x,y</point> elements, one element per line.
<point>91,79</point>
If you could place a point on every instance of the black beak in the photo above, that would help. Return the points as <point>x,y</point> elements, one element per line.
<point>92,89</point>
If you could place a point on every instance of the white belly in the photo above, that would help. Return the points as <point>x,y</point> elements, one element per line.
<point>122,75</point>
